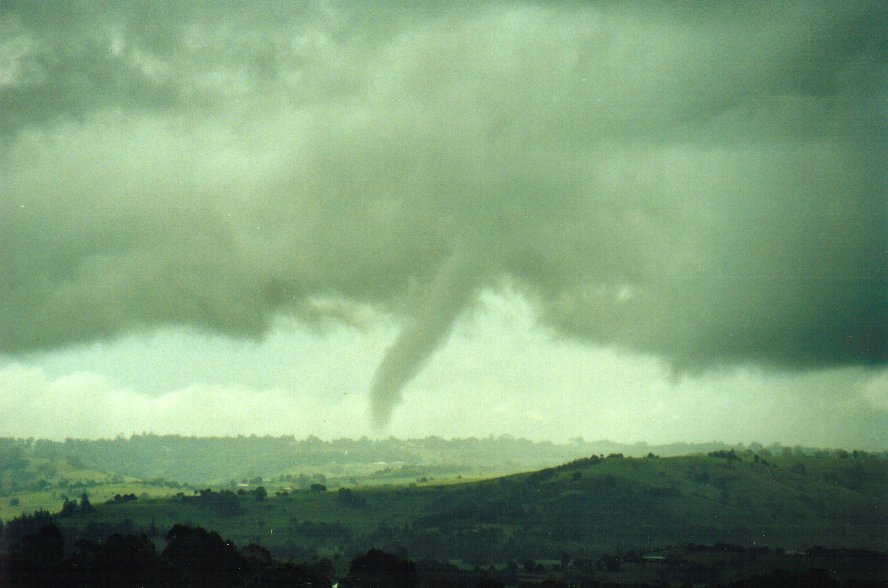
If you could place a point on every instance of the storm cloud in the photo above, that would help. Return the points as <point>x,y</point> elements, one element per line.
<point>701,183</point>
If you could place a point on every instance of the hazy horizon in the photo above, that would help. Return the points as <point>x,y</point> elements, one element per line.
<point>605,445</point>
<point>636,222</point>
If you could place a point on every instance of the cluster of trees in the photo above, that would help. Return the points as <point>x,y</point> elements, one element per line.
<point>301,481</point>
<point>722,454</point>
<point>223,503</point>
<point>196,557</point>
<point>383,570</point>
<point>70,507</point>
<point>122,498</point>
<point>193,556</point>
<point>15,475</point>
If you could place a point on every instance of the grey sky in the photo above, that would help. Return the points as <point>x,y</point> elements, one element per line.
<point>696,192</point>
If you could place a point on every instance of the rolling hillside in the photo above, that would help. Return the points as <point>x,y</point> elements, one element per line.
<point>584,508</point>
<point>217,460</point>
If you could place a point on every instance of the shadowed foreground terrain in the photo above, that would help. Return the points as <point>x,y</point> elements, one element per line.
<point>197,557</point>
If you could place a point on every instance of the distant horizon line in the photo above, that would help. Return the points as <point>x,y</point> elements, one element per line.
<point>573,441</point>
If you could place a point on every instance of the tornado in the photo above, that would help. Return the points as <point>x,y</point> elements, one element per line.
<point>435,312</point>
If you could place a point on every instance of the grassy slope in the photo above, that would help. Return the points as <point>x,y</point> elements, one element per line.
<point>42,484</point>
<point>218,460</point>
<point>581,508</point>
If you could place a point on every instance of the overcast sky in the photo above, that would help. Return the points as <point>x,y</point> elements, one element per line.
<point>644,222</point>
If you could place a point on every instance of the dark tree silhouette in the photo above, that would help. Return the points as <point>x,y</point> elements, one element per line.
<point>69,507</point>
<point>201,558</point>
<point>35,559</point>
<point>26,524</point>
<point>378,569</point>
<point>120,560</point>
<point>85,506</point>
<point>260,493</point>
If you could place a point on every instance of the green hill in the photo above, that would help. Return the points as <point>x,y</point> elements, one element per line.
<point>30,481</point>
<point>585,508</point>
<point>218,460</point>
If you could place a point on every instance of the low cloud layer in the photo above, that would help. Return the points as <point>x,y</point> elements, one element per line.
<point>731,407</point>
<point>703,183</point>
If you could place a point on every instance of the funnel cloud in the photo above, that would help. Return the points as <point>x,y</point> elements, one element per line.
<point>437,308</point>
<point>703,183</point>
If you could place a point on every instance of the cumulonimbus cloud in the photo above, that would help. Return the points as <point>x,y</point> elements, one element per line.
<point>698,183</point>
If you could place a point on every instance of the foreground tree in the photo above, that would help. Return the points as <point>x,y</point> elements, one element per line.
<point>35,560</point>
<point>120,560</point>
<point>378,569</point>
<point>202,558</point>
